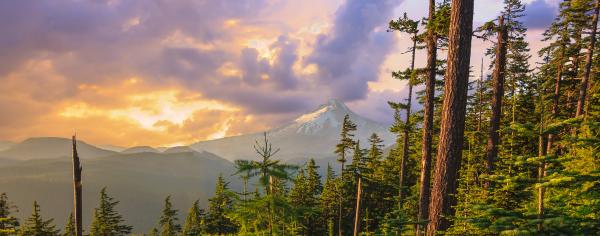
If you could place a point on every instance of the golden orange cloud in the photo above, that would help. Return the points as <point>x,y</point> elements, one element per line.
<point>131,112</point>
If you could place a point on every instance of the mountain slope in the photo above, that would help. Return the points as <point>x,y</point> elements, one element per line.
<point>5,145</point>
<point>312,135</point>
<point>140,181</point>
<point>139,149</point>
<point>51,147</point>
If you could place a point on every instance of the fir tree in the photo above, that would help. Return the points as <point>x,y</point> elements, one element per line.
<point>153,232</point>
<point>107,221</point>
<point>9,224</point>
<point>410,27</point>
<point>168,220</point>
<point>35,225</point>
<point>329,200</point>
<point>70,226</point>
<point>346,140</point>
<point>194,222</point>
<point>216,220</point>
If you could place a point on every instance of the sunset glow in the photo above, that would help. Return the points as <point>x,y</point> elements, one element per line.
<point>198,70</point>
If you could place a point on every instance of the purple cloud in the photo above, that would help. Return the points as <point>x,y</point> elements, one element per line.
<point>351,54</point>
<point>89,42</point>
<point>539,14</point>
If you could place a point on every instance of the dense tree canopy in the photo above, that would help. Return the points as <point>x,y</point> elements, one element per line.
<point>517,148</point>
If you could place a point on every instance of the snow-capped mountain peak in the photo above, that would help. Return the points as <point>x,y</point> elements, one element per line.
<point>329,115</point>
<point>313,134</point>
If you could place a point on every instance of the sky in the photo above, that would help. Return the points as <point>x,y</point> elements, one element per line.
<point>173,72</point>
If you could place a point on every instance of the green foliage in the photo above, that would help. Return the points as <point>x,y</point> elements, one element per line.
<point>70,226</point>
<point>216,220</point>
<point>9,224</point>
<point>107,221</point>
<point>194,222</point>
<point>346,142</point>
<point>563,174</point>
<point>168,220</point>
<point>35,225</point>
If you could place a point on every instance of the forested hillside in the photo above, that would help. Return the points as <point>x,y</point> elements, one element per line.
<point>512,152</point>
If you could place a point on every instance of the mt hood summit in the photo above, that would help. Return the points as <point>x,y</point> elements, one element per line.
<point>311,135</point>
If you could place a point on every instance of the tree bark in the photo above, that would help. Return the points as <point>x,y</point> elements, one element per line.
<point>77,190</point>
<point>424,189</point>
<point>340,201</point>
<point>357,211</point>
<point>480,96</point>
<point>453,116</point>
<point>541,171</point>
<point>497,94</point>
<point>588,63</point>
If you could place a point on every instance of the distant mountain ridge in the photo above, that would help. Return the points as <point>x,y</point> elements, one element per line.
<point>140,181</point>
<point>140,177</point>
<point>51,147</point>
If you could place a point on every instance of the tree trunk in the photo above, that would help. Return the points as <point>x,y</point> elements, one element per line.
<point>340,233</point>
<point>497,94</point>
<point>453,116</point>
<point>405,138</point>
<point>340,227</point>
<point>424,190</point>
<point>357,212</point>
<point>550,141</point>
<point>541,172</point>
<point>556,96</point>
<point>272,210</point>
<point>245,188</point>
<point>77,189</point>
<point>588,63</point>
<point>480,97</point>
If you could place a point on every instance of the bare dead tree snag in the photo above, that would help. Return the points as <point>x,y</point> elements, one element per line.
<point>77,189</point>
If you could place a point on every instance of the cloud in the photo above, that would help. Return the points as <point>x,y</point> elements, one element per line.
<point>375,105</point>
<point>144,68</point>
<point>539,14</point>
<point>350,55</point>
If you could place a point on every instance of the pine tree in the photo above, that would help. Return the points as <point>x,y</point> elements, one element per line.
<point>374,190</point>
<point>168,220</point>
<point>107,221</point>
<point>329,200</point>
<point>216,220</point>
<point>497,92</point>
<point>304,196</point>
<point>341,149</point>
<point>410,27</point>
<point>346,140</point>
<point>426,152</point>
<point>453,116</point>
<point>70,226</point>
<point>9,224</point>
<point>437,25</point>
<point>194,222</point>
<point>558,33</point>
<point>35,225</point>
<point>268,168</point>
<point>153,232</point>
<point>588,61</point>
<point>273,175</point>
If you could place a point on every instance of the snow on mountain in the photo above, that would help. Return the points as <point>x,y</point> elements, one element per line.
<point>313,134</point>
